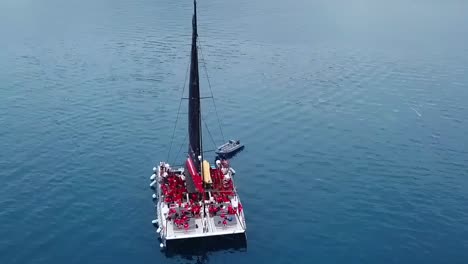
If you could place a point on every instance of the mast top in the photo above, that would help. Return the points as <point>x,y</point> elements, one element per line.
<point>194,21</point>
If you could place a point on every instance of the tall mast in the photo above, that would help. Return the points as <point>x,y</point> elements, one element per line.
<point>194,128</point>
<point>194,113</point>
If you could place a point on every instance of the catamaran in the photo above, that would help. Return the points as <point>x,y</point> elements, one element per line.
<point>197,200</point>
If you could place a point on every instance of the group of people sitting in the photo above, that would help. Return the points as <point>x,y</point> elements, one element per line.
<point>221,182</point>
<point>183,207</point>
<point>221,210</point>
<point>222,189</point>
<point>173,188</point>
<point>182,215</point>
<point>226,214</point>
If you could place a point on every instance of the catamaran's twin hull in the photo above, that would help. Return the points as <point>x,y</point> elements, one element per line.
<point>204,227</point>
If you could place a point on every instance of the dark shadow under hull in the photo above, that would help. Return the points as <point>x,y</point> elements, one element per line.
<point>198,248</point>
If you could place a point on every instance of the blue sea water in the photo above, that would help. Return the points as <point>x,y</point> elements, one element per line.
<point>354,115</point>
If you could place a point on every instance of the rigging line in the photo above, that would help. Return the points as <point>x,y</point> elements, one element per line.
<point>211,91</point>
<point>210,150</point>
<point>178,112</point>
<point>181,145</point>
<point>209,133</point>
<point>201,97</point>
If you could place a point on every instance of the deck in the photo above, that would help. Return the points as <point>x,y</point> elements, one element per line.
<point>214,229</point>
<point>182,215</point>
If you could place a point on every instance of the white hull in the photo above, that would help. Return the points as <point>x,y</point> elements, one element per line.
<point>205,225</point>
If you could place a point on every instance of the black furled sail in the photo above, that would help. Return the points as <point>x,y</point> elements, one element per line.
<point>194,115</point>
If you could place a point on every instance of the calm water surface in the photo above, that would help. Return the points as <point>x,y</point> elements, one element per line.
<point>354,115</point>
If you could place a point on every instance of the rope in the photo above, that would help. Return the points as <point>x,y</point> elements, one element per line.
<point>211,91</point>
<point>211,150</point>
<point>180,104</point>
<point>178,112</point>
<point>181,145</point>
<point>209,133</point>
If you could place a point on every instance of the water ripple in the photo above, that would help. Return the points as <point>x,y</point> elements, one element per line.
<point>359,143</point>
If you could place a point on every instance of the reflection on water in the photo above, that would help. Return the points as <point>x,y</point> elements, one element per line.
<point>199,249</point>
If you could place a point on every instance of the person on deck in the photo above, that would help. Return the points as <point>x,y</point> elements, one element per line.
<point>167,167</point>
<point>227,177</point>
